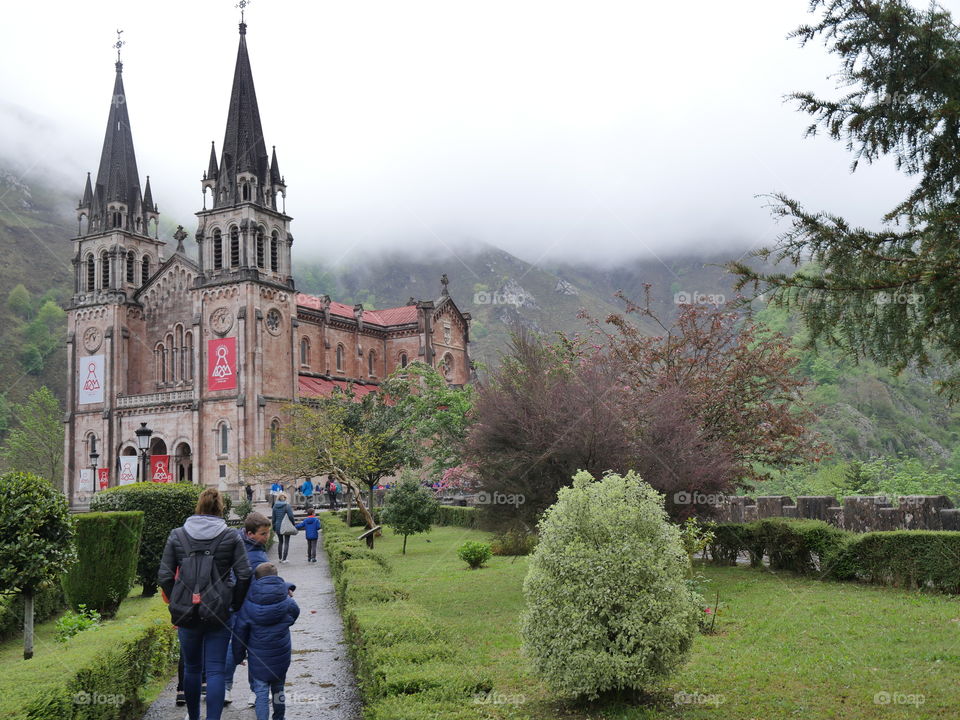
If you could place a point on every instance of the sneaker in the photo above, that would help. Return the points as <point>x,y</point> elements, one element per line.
<point>252,700</point>
<point>227,696</point>
<point>181,699</point>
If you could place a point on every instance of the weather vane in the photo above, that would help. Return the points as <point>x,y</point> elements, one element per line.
<point>119,44</point>
<point>242,5</point>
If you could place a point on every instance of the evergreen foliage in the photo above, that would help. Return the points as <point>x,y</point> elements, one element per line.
<point>608,604</point>
<point>108,546</point>
<point>409,508</point>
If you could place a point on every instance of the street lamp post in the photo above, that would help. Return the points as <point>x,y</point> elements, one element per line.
<point>143,434</point>
<point>94,456</point>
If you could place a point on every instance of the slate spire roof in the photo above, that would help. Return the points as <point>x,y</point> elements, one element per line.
<point>117,177</point>
<point>243,150</point>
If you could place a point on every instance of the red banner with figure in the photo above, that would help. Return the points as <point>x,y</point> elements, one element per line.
<point>160,465</point>
<point>222,364</point>
<point>103,477</point>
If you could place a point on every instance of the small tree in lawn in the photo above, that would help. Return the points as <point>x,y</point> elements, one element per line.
<point>37,542</point>
<point>409,509</point>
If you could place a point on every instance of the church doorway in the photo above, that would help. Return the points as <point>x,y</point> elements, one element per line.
<point>183,462</point>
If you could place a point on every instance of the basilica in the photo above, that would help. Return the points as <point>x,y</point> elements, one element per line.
<point>180,368</point>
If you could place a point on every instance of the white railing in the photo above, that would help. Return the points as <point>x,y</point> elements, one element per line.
<point>160,398</point>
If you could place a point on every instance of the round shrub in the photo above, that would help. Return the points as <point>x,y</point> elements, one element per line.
<point>474,554</point>
<point>108,546</point>
<point>165,506</point>
<point>608,605</point>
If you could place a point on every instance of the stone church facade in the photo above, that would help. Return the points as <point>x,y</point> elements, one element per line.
<point>207,353</point>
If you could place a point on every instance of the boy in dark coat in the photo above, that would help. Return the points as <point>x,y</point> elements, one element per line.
<point>312,525</point>
<point>262,633</point>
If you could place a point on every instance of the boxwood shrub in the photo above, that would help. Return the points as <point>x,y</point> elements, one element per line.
<point>108,546</point>
<point>908,558</point>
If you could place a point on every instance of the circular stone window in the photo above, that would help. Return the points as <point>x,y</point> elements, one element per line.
<point>273,321</point>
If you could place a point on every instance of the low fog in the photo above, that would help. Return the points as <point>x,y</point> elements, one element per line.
<point>554,130</point>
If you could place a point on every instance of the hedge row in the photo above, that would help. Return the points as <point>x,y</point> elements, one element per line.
<point>108,688</point>
<point>46,603</point>
<point>902,558</point>
<point>446,515</point>
<point>408,668</point>
<point>108,546</point>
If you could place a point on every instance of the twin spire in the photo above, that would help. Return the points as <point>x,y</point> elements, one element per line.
<point>244,172</point>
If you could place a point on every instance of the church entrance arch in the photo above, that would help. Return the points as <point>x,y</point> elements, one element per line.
<point>183,463</point>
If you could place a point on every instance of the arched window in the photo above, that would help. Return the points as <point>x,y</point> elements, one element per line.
<point>188,357</point>
<point>224,439</point>
<point>234,247</point>
<point>160,358</point>
<point>246,191</point>
<point>130,274</point>
<point>217,250</point>
<point>446,366</point>
<point>144,270</point>
<point>274,434</point>
<point>171,358</point>
<point>371,362</point>
<point>104,270</point>
<point>91,273</point>
<point>274,251</point>
<point>117,218</point>
<point>340,357</point>
<point>305,352</point>
<point>260,258</point>
<point>403,360</point>
<point>180,360</point>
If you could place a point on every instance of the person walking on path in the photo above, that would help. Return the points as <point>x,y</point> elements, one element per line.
<point>195,576</point>
<point>332,492</point>
<point>282,509</point>
<point>312,526</point>
<point>262,634</point>
<point>307,491</point>
<point>275,491</point>
<point>248,489</point>
<point>254,534</point>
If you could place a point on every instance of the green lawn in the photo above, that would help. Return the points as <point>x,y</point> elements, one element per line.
<point>786,647</point>
<point>22,680</point>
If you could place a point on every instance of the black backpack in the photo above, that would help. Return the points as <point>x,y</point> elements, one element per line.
<point>200,593</point>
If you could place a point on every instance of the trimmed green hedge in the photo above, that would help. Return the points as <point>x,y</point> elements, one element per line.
<point>46,603</point>
<point>165,506</point>
<point>407,666</point>
<point>108,688</point>
<point>902,558</point>
<point>108,546</point>
<point>457,515</point>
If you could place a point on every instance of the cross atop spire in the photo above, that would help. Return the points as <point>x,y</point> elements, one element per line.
<point>119,43</point>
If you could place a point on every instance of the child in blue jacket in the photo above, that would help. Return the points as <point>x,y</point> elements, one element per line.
<point>262,635</point>
<point>312,525</point>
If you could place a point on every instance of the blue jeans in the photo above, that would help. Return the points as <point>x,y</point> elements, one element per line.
<point>204,648</point>
<point>264,690</point>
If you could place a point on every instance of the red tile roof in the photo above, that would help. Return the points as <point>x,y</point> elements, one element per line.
<point>388,316</point>
<point>321,387</point>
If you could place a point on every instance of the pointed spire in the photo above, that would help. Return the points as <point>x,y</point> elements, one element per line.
<point>87,194</point>
<point>148,198</point>
<point>212,170</point>
<point>117,176</point>
<point>275,178</point>
<point>243,148</point>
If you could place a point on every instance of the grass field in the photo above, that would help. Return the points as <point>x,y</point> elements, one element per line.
<point>22,680</point>
<point>785,647</point>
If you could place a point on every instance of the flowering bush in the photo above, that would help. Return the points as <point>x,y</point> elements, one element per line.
<point>609,605</point>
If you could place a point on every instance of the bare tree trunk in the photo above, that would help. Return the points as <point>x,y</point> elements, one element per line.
<point>27,624</point>
<point>360,506</point>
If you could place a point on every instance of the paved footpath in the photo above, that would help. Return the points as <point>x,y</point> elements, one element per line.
<point>320,683</point>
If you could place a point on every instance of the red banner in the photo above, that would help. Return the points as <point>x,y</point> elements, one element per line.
<point>222,364</point>
<point>103,477</point>
<point>160,468</point>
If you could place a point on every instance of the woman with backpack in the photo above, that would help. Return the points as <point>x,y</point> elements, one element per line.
<point>282,509</point>
<point>195,577</point>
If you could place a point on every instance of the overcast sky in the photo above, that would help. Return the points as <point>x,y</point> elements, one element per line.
<point>592,129</point>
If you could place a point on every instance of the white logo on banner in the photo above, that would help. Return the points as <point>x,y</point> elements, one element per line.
<point>222,367</point>
<point>128,469</point>
<point>90,372</point>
